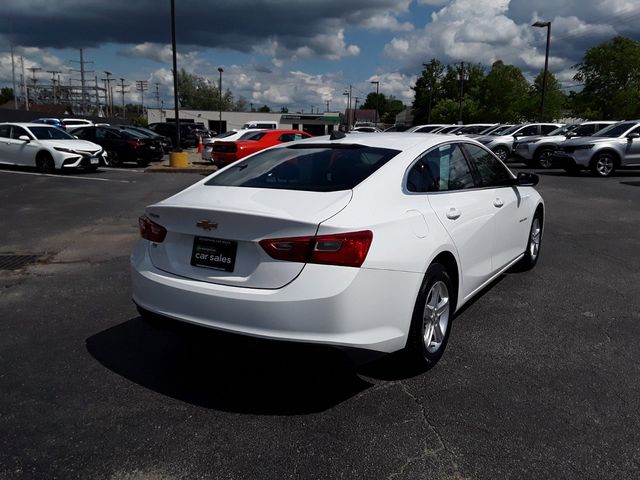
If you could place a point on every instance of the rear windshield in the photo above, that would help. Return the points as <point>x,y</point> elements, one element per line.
<point>315,168</point>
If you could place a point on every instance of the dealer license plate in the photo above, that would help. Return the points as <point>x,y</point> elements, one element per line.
<point>214,253</point>
<point>94,160</point>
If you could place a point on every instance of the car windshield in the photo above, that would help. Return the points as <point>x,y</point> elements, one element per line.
<point>226,134</point>
<point>563,130</point>
<point>308,167</point>
<point>50,133</point>
<point>615,130</point>
<point>146,131</point>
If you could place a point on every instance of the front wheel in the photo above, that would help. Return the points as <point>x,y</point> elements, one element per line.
<point>502,153</point>
<point>432,316</point>
<point>112,159</point>
<point>534,243</point>
<point>544,158</point>
<point>45,163</point>
<point>603,165</point>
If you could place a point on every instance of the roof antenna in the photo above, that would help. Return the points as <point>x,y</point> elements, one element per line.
<point>336,135</point>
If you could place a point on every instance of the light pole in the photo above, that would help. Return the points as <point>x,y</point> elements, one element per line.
<point>177,147</point>
<point>546,63</point>
<point>220,70</point>
<point>461,92</point>
<point>377,83</point>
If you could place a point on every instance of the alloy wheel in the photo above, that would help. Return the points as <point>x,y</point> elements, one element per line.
<point>535,238</point>
<point>501,153</point>
<point>435,320</point>
<point>545,159</point>
<point>604,165</point>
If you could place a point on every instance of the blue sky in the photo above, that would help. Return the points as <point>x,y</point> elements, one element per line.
<point>301,53</point>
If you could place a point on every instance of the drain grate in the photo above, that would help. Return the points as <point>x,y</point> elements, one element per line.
<point>14,262</point>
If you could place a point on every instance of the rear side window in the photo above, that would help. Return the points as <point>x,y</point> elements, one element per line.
<point>315,168</point>
<point>5,131</point>
<point>441,169</point>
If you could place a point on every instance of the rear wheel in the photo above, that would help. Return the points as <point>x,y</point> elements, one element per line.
<point>432,316</point>
<point>45,163</point>
<point>603,164</point>
<point>502,153</point>
<point>544,158</point>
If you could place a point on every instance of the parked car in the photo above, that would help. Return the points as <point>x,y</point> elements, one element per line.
<point>538,149</point>
<point>359,241</point>
<point>46,147</point>
<point>429,128</point>
<point>495,130</point>
<point>616,146</point>
<point>56,122</point>
<point>229,136</point>
<point>224,153</point>
<point>188,136</point>
<point>260,125</point>
<point>502,144</point>
<point>75,122</point>
<point>473,128</point>
<point>120,145</point>
<point>163,144</point>
<point>397,128</point>
<point>365,129</point>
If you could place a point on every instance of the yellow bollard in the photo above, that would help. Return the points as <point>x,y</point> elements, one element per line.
<point>178,159</point>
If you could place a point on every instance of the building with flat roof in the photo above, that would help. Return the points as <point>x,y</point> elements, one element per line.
<point>313,123</point>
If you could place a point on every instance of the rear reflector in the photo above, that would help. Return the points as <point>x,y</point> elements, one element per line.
<point>150,230</point>
<point>345,249</point>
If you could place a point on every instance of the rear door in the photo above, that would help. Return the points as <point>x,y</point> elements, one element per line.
<point>465,211</point>
<point>632,154</point>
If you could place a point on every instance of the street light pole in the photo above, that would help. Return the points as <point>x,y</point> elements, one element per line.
<point>220,70</point>
<point>546,64</point>
<point>377,82</point>
<point>461,92</point>
<point>177,147</point>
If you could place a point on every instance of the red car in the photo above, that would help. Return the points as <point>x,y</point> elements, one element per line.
<point>224,153</point>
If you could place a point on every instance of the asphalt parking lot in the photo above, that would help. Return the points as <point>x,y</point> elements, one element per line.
<point>540,379</point>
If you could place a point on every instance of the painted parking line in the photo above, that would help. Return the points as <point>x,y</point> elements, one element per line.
<point>115,169</point>
<point>68,177</point>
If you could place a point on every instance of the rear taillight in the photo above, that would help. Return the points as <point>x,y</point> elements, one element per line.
<point>150,230</point>
<point>134,143</point>
<point>345,249</point>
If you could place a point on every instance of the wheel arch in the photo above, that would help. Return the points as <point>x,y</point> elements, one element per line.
<point>449,262</point>
<point>616,155</point>
<point>540,148</point>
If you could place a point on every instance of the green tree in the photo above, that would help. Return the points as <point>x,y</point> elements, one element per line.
<point>284,110</point>
<point>264,109</point>
<point>427,91</point>
<point>505,94</point>
<point>198,93</point>
<point>6,95</point>
<point>554,99</point>
<point>610,73</point>
<point>393,106</point>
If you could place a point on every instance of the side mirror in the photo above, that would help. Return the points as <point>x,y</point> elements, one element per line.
<point>526,179</point>
<point>631,136</point>
<point>76,137</point>
<point>571,134</point>
<point>24,138</point>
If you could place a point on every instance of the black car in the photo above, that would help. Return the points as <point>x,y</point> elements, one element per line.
<point>164,144</point>
<point>120,145</point>
<point>188,133</point>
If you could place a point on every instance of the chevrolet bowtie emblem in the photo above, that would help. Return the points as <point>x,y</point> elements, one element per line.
<point>206,225</point>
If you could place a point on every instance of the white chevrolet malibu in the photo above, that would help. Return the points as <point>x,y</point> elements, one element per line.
<point>369,242</point>
<point>46,147</point>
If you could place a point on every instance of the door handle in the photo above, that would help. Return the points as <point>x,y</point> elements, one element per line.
<point>453,214</point>
<point>498,202</point>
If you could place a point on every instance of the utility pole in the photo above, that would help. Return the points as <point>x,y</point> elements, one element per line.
<point>355,110</point>
<point>108,94</point>
<point>34,80</point>
<point>83,72</point>
<point>122,91</point>
<point>158,95</point>
<point>461,91</point>
<point>141,86</point>
<point>53,83</point>
<point>97,97</point>
<point>25,90</point>
<point>327,102</point>
<point>13,80</point>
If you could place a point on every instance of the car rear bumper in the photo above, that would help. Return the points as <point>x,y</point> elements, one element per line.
<point>356,308</point>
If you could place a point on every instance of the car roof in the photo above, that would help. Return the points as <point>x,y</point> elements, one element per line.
<point>30,124</point>
<point>392,140</point>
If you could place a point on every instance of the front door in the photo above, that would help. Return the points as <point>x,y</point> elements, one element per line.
<point>632,154</point>
<point>22,152</point>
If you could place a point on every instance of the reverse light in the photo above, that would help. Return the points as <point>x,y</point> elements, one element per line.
<point>344,249</point>
<point>150,230</point>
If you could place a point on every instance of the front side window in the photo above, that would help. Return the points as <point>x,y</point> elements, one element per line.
<point>17,132</point>
<point>527,131</point>
<point>443,168</point>
<point>547,128</point>
<point>313,168</point>
<point>491,171</point>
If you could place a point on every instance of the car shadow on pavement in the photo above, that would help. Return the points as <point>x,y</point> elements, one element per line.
<point>227,372</point>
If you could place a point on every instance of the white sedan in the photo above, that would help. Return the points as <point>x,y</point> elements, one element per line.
<point>370,241</point>
<point>46,147</point>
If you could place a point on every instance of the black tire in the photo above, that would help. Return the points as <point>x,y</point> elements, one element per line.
<point>112,159</point>
<point>534,244</point>
<point>543,158</point>
<point>45,163</point>
<point>422,352</point>
<point>603,164</point>
<point>502,153</point>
